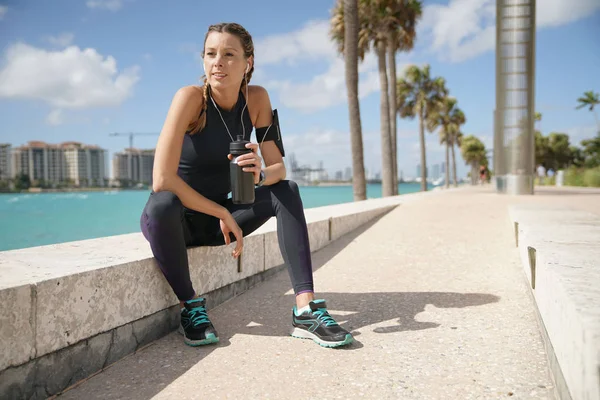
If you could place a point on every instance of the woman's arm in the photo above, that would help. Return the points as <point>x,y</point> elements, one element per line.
<point>274,167</point>
<point>186,106</point>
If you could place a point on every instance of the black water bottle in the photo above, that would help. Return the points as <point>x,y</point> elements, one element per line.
<point>242,183</point>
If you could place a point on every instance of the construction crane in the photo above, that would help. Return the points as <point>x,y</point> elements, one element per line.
<point>131,135</point>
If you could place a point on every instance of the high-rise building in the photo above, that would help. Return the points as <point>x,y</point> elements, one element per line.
<point>86,165</point>
<point>134,166</point>
<point>5,162</point>
<point>69,162</point>
<point>436,171</point>
<point>348,174</point>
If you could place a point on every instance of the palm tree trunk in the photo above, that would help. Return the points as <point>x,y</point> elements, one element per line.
<point>386,146</point>
<point>393,110</point>
<point>423,155</point>
<point>351,62</point>
<point>447,178</point>
<point>453,166</point>
<point>474,173</point>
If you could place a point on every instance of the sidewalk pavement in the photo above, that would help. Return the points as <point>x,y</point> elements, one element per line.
<point>433,292</point>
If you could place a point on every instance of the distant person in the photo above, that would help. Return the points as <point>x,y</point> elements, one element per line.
<point>482,174</point>
<point>541,173</point>
<point>189,203</point>
<point>550,173</point>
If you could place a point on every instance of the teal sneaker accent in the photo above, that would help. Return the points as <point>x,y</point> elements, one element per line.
<point>196,327</point>
<point>318,325</point>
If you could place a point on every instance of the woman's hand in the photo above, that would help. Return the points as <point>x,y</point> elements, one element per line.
<point>251,162</point>
<point>228,225</point>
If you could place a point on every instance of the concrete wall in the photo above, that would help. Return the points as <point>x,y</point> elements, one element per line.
<point>560,253</point>
<point>71,309</point>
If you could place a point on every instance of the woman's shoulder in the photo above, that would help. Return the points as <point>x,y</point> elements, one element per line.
<point>257,90</point>
<point>191,95</point>
<point>258,95</point>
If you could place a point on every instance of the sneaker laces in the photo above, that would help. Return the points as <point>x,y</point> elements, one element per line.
<point>324,316</point>
<point>198,316</point>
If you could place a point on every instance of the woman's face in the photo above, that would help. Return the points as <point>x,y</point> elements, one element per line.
<point>224,60</point>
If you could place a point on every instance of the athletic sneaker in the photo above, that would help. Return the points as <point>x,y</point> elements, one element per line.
<point>195,326</point>
<point>314,322</point>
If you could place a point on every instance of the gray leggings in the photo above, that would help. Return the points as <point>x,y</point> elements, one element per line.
<point>171,229</point>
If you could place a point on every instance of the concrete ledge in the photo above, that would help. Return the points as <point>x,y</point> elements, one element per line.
<point>73,308</point>
<point>560,253</point>
<point>53,373</point>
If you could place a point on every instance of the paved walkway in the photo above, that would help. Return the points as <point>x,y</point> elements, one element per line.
<point>434,293</point>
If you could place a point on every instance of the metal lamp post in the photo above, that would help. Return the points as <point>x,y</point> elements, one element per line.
<point>514,117</point>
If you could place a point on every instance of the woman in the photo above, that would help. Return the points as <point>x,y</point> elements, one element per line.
<point>188,205</point>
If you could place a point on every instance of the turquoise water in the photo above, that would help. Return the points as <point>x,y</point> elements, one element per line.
<point>28,220</point>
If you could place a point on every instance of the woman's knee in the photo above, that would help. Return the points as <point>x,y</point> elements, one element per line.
<point>163,207</point>
<point>288,185</point>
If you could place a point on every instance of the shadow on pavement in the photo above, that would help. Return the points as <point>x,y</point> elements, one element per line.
<point>353,311</point>
<point>265,310</point>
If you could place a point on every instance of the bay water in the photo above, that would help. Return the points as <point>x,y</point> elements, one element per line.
<point>35,219</point>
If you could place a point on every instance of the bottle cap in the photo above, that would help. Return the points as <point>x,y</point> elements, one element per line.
<point>239,146</point>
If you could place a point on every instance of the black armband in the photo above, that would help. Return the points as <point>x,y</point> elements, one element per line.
<point>271,132</point>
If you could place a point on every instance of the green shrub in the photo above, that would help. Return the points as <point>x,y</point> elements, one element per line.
<point>591,177</point>
<point>573,177</point>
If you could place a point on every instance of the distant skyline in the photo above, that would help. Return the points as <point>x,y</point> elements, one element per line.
<point>97,67</point>
<point>372,174</point>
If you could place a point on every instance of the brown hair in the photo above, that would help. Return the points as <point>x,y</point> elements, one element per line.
<point>248,46</point>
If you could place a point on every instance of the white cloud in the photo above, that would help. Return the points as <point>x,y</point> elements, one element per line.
<point>147,56</point>
<point>332,147</point>
<point>55,117</point>
<point>71,78</point>
<point>562,12</point>
<point>62,40</point>
<point>311,42</point>
<point>3,10</point>
<point>111,5</point>
<point>463,29</point>
<point>308,44</point>
<point>326,89</point>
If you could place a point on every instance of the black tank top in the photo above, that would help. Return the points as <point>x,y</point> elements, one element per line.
<point>203,163</point>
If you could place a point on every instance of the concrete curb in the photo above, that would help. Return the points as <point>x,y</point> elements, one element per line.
<point>559,250</point>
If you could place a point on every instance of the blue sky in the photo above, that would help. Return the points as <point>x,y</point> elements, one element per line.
<point>78,70</point>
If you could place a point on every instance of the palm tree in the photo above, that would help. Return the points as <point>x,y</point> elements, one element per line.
<point>348,11</point>
<point>474,153</point>
<point>590,99</point>
<point>441,118</point>
<point>456,120</point>
<point>399,21</point>
<point>449,118</point>
<point>420,95</point>
<point>371,34</point>
<point>377,16</point>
